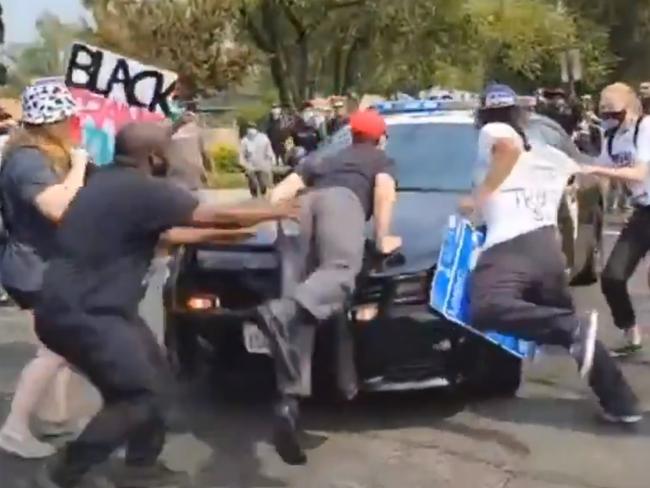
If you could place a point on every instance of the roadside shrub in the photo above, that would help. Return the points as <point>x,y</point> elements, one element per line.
<point>225,159</point>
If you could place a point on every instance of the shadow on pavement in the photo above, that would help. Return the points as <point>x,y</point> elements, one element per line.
<point>579,415</point>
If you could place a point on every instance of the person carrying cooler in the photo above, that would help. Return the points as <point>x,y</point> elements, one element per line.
<point>519,286</point>
<point>625,158</point>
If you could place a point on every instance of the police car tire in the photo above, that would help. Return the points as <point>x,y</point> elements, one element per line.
<point>494,374</point>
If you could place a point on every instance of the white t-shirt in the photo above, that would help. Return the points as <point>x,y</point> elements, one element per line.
<point>530,196</point>
<point>625,154</point>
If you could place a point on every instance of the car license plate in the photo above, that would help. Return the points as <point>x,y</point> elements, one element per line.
<point>255,341</point>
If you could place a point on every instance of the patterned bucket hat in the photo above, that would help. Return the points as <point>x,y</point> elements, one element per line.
<point>47,103</point>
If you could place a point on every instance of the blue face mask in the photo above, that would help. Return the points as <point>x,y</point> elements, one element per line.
<point>612,120</point>
<point>610,124</point>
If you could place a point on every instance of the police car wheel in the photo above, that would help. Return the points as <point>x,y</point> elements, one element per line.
<point>493,373</point>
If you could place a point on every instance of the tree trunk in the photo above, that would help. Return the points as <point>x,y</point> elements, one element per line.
<point>351,65</point>
<point>303,67</point>
<point>337,70</point>
<point>280,80</point>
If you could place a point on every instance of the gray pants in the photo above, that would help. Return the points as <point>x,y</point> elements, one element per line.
<point>329,258</point>
<point>259,182</point>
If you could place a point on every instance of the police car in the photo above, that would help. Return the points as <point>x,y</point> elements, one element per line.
<point>388,339</point>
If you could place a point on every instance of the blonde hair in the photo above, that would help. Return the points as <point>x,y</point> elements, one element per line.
<point>627,93</point>
<point>46,138</point>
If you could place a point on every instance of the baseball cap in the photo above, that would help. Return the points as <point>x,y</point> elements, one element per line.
<point>368,123</point>
<point>498,96</point>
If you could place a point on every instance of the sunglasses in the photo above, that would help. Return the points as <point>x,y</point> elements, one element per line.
<point>609,114</point>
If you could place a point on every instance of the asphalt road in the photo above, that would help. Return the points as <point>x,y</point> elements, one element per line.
<point>546,438</point>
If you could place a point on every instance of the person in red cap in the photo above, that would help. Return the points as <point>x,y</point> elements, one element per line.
<point>340,193</point>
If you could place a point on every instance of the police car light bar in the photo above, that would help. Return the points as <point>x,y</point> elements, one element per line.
<point>414,106</point>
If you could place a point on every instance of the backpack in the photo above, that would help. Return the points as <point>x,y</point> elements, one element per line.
<point>612,132</point>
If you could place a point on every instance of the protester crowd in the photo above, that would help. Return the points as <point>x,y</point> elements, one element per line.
<point>285,140</point>
<point>80,243</point>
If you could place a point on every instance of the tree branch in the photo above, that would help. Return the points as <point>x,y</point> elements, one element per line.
<point>294,20</point>
<point>258,37</point>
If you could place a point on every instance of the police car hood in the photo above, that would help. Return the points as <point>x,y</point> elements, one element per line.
<point>420,218</point>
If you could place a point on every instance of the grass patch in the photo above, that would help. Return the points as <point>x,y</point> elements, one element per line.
<point>227,181</point>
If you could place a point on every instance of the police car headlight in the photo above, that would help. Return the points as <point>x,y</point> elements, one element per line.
<point>203,302</point>
<point>366,313</point>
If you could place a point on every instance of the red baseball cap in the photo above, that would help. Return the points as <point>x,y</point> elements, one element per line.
<point>368,123</point>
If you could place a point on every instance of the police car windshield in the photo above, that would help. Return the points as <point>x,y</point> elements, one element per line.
<point>429,157</point>
<point>433,157</point>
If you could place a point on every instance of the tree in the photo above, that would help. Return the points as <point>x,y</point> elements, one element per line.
<point>385,46</point>
<point>627,25</point>
<point>3,68</point>
<point>296,37</point>
<point>46,56</point>
<point>195,38</point>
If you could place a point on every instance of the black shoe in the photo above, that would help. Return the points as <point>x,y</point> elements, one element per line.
<point>44,480</point>
<point>285,434</point>
<point>154,476</point>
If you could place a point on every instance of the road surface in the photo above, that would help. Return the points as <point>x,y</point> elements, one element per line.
<point>546,438</point>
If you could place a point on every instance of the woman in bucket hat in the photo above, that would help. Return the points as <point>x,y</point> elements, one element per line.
<point>41,173</point>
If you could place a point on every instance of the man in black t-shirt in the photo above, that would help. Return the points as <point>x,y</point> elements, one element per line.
<point>88,311</point>
<point>342,193</point>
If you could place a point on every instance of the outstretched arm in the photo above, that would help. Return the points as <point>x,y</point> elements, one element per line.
<point>288,188</point>
<point>193,235</point>
<point>247,214</point>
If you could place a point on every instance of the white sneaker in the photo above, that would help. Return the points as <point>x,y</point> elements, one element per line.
<point>25,445</point>
<point>628,419</point>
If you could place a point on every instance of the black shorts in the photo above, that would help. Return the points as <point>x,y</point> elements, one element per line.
<point>26,300</point>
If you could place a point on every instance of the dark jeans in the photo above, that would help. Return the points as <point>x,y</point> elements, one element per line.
<point>631,246</point>
<point>124,362</point>
<point>258,182</point>
<point>519,288</point>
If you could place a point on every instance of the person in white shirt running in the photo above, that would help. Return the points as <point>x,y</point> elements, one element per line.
<point>625,158</point>
<point>519,286</point>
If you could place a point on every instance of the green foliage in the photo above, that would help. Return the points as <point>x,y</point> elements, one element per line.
<point>338,46</point>
<point>195,38</point>
<point>627,27</point>
<point>225,172</point>
<point>47,55</point>
<point>225,159</point>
